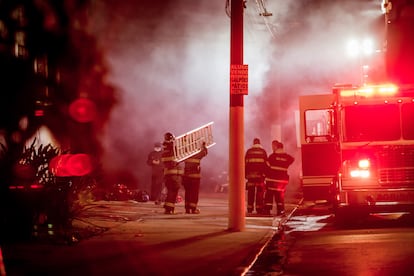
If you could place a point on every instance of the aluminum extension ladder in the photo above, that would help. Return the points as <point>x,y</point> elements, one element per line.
<point>190,143</point>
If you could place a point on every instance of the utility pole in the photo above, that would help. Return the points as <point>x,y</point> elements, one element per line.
<point>238,88</point>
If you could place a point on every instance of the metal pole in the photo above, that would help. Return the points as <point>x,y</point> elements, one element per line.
<point>236,143</point>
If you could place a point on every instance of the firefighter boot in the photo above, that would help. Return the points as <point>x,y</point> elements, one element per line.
<point>195,211</point>
<point>280,209</point>
<point>169,210</point>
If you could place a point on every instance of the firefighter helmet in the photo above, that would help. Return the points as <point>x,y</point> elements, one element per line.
<point>157,145</point>
<point>168,137</point>
<point>277,144</point>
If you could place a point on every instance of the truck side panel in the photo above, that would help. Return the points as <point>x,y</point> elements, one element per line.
<point>320,164</point>
<point>320,153</point>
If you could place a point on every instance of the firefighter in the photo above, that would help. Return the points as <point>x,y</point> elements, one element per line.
<point>157,173</point>
<point>255,169</point>
<point>277,178</point>
<point>173,173</point>
<point>191,180</point>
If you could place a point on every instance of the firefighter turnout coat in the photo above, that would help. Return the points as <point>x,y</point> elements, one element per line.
<point>255,165</point>
<point>277,172</point>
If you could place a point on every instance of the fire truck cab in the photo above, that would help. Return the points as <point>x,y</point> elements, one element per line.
<point>357,147</point>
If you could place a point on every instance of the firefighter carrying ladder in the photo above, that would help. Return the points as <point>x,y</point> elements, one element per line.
<point>190,143</point>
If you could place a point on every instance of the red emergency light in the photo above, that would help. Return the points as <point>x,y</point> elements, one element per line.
<point>368,91</point>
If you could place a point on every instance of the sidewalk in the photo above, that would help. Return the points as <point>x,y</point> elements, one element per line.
<point>142,240</point>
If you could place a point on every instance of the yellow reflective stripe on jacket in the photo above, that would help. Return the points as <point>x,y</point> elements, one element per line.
<point>254,184</point>
<point>173,171</point>
<point>255,160</point>
<point>167,158</point>
<point>193,160</point>
<point>278,168</point>
<point>194,175</point>
<point>277,180</point>
<point>276,189</point>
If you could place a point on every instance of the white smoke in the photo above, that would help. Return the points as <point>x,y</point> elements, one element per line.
<point>171,62</point>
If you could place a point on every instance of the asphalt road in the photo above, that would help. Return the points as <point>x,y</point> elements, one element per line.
<point>312,244</point>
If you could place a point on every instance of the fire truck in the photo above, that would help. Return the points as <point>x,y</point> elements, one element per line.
<point>357,142</point>
<point>357,146</point>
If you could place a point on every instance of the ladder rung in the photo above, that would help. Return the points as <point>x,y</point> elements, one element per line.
<point>189,144</point>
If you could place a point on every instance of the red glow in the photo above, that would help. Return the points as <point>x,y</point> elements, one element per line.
<point>82,110</point>
<point>71,165</point>
<point>36,186</point>
<point>79,164</point>
<point>18,187</point>
<point>58,165</point>
<point>39,112</point>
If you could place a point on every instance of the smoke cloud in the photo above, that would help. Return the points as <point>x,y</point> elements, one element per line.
<point>171,62</point>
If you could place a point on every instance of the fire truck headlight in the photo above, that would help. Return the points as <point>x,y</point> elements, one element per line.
<point>360,173</point>
<point>363,163</point>
<point>359,168</point>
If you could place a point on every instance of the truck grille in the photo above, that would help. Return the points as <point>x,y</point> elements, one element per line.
<point>396,167</point>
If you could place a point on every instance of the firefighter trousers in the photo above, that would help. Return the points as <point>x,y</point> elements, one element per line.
<point>192,189</point>
<point>255,197</point>
<point>277,196</point>
<point>172,183</point>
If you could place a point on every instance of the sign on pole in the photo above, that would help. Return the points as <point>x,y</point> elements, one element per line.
<point>239,79</point>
